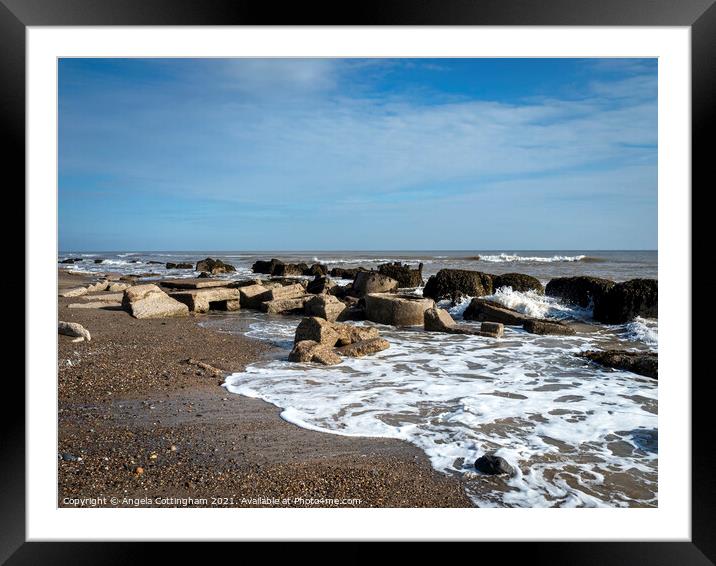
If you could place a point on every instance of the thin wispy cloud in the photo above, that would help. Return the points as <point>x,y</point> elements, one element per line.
<point>279,144</point>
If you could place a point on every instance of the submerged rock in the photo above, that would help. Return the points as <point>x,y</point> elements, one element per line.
<point>343,273</point>
<point>363,347</point>
<point>642,363</point>
<point>310,351</point>
<point>623,301</point>
<point>182,265</point>
<point>454,284</point>
<point>581,291</point>
<point>493,465</point>
<point>518,282</point>
<point>403,274</point>
<point>544,326</point>
<point>488,311</point>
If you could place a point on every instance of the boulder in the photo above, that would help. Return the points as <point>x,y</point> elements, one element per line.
<point>643,363</point>
<point>372,282</point>
<point>438,320</point>
<point>294,305</point>
<point>284,292</point>
<point>73,329</point>
<point>214,266</point>
<point>310,351</point>
<point>353,312</point>
<point>319,285</point>
<point>623,301</point>
<point>98,260</point>
<point>181,265</point>
<point>211,298</point>
<point>325,306</point>
<point>289,269</point>
<point>492,329</point>
<point>74,292</point>
<point>332,333</point>
<point>149,301</point>
<point>317,270</point>
<point>251,296</point>
<point>454,284</point>
<point>488,311</point>
<point>544,326</point>
<point>493,465</point>
<point>581,291</point>
<point>403,274</point>
<point>266,267</point>
<point>518,281</point>
<point>397,310</point>
<point>203,275</point>
<point>363,347</point>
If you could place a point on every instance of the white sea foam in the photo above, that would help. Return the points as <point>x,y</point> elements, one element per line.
<point>536,305</point>
<point>504,258</point>
<point>643,330</point>
<point>567,425</point>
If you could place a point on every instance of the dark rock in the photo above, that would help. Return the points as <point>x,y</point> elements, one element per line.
<point>71,260</point>
<point>289,269</point>
<point>373,282</point>
<point>493,465</point>
<point>214,266</point>
<point>203,275</point>
<point>488,311</point>
<point>182,265</point>
<point>456,283</point>
<point>153,262</point>
<point>98,260</point>
<point>353,312</point>
<point>67,457</point>
<point>518,282</point>
<point>341,273</point>
<point>492,329</point>
<point>623,301</point>
<point>643,363</point>
<point>581,291</point>
<point>543,326</point>
<point>266,267</point>
<point>320,285</point>
<point>403,274</point>
<point>317,270</point>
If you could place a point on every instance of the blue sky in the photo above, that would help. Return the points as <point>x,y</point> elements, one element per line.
<point>357,154</point>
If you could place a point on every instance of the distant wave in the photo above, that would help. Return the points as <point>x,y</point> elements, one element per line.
<point>508,258</point>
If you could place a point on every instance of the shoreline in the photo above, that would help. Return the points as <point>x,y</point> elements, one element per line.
<point>137,423</point>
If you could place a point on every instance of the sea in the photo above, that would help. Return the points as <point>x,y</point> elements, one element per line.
<point>577,434</point>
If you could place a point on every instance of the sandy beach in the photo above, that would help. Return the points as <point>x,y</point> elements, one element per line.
<point>139,424</point>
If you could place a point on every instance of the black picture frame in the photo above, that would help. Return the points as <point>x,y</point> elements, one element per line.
<point>699,15</point>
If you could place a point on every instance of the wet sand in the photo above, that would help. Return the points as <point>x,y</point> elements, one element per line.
<point>140,425</point>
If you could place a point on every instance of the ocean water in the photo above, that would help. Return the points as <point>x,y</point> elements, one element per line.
<point>579,435</point>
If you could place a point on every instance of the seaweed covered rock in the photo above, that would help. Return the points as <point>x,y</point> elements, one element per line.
<point>493,465</point>
<point>623,301</point>
<point>403,274</point>
<point>214,266</point>
<point>518,281</point>
<point>643,363</point>
<point>581,291</point>
<point>456,283</point>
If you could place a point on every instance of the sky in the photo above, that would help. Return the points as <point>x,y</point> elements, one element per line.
<point>357,154</point>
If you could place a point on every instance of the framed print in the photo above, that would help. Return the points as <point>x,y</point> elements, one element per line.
<point>387,279</point>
